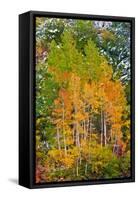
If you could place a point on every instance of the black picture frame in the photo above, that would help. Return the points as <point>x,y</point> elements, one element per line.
<point>27,98</point>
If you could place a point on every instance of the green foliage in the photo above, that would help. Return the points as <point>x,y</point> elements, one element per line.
<point>125,165</point>
<point>65,56</point>
<point>83,32</point>
<point>116,46</point>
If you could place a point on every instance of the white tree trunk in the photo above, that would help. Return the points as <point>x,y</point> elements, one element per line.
<point>101,128</point>
<point>77,168</point>
<point>64,136</point>
<point>105,131</point>
<point>58,139</point>
<point>86,166</point>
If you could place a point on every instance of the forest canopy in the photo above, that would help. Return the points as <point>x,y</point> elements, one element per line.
<point>83,77</point>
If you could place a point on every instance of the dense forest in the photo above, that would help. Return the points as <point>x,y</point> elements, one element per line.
<point>82,100</point>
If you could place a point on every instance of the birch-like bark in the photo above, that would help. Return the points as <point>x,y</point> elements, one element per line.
<point>77,130</point>
<point>111,136</point>
<point>90,127</point>
<point>73,133</point>
<point>58,139</point>
<point>77,168</point>
<point>64,137</point>
<point>105,131</point>
<point>88,121</point>
<point>77,136</point>
<point>84,129</point>
<point>101,128</point>
<point>86,166</point>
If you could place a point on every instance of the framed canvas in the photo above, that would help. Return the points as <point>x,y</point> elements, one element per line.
<point>76,99</point>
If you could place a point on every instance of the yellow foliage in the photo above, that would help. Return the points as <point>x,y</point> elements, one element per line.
<point>68,161</point>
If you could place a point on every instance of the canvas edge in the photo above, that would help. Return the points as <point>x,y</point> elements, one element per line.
<point>32,184</point>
